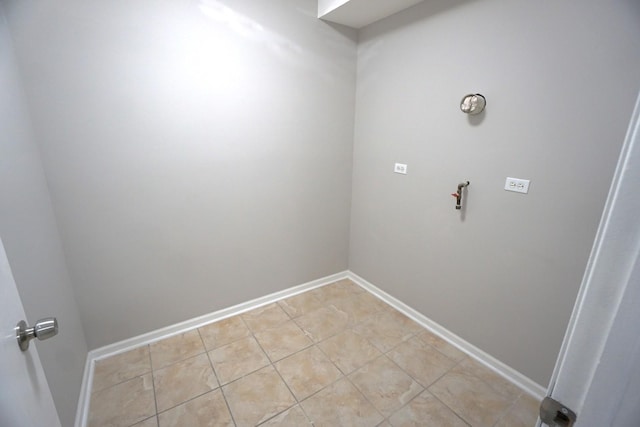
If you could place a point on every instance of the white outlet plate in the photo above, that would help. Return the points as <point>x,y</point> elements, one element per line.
<point>516,184</point>
<point>400,168</point>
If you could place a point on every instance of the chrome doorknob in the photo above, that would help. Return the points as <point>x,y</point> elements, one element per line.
<point>43,329</point>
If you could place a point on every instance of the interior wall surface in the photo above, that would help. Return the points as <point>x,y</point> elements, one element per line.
<point>30,236</point>
<point>560,80</point>
<point>199,153</point>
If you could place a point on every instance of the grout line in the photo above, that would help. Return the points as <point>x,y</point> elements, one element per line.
<point>449,408</point>
<point>153,383</point>
<point>366,398</point>
<point>224,397</point>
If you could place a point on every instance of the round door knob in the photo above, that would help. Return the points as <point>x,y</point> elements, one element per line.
<point>43,329</point>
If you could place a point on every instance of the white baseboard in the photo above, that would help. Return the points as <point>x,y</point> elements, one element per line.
<point>489,361</point>
<point>525,383</point>
<point>82,412</point>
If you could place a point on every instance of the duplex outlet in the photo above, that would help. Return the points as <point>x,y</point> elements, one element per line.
<point>516,184</point>
<point>400,168</point>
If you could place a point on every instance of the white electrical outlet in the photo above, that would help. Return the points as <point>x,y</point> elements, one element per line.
<point>400,168</point>
<point>516,184</point>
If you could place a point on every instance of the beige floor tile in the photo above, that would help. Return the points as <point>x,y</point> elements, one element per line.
<point>175,349</point>
<point>223,332</point>
<point>338,290</point>
<point>300,304</point>
<point>323,323</point>
<point>470,397</point>
<point>426,410</point>
<point>349,351</point>
<point>442,346</point>
<point>149,422</point>
<point>350,285</point>
<point>369,299</point>
<point>423,362</point>
<point>282,341</point>
<point>340,404</point>
<point>523,413</point>
<point>124,404</point>
<point>384,424</point>
<point>307,372</point>
<point>258,397</point>
<point>358,309</point>
<point>386,329</point>
<point>183,380</point>
<point>121,367</point>
<point>494,380</point>
<point>237,359</point>
<point>385,385</point>
<point>208,410</point>
<point>293,417</point>
<point>265,317</point>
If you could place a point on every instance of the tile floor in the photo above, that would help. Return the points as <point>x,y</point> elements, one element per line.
<point>333,356</point>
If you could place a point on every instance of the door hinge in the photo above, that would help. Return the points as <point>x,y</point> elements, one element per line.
<point>555,414</point>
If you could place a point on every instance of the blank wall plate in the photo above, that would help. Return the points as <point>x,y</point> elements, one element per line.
<point>400,168</point>
<point>516,184</point>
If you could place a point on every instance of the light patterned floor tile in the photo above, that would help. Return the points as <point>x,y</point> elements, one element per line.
<point>470,397</point>
<point>265,317</point>
<point>442,346</point>
<point>349,351</point>
<point>385,385</point>
<point>121,367</point>
<point>386,329</point>
<point>293,417</point>
<point>149,422</point>
<point>237,359</point>
<point>494,380</point>
<point>223,332</point>
<point>426,410</point>
<point>301,304</point>
<point>208,410</point>
<point>337,329</point>
<point>338,290</point>
<point>307,372</point>
<point>283,340</point>
<point>340,404</point>
<point>423,362</point>
<point>258,397</point>
<point>183,380</point>
<point>175,349</point>
<point>523,413</point>
<point>124,404</point>
<point>323,323</point>
<point>358,309</point>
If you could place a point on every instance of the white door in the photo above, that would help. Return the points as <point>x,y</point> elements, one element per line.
<point>25,399</point>
<point>597,374</point>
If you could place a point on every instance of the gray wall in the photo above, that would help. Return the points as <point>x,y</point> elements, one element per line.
<point>30,236</point>
<point>560,80</point>
<point>199,154</point>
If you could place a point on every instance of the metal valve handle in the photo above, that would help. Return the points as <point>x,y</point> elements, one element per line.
<point>43,329</point>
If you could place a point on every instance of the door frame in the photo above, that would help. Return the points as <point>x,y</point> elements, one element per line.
<point>599,359</point>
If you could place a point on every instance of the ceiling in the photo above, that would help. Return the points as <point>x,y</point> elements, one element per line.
<point>359,13</point>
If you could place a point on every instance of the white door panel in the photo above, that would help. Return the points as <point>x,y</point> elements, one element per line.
<point>25,399</point>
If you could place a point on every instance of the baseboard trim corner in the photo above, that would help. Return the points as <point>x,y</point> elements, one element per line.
<point>502,369</point>
<point>82,412</point>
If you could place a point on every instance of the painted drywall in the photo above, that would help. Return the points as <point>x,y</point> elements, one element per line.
<point>560,79</point>
<point>30,236</point>
<point>198,154</point>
